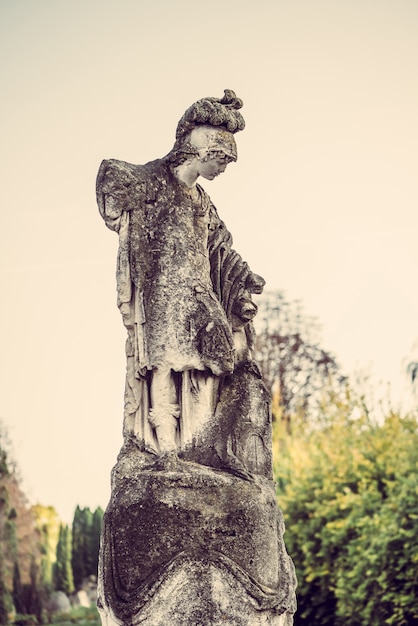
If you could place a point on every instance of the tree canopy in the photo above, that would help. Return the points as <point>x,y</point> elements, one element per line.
<point>294,365</point>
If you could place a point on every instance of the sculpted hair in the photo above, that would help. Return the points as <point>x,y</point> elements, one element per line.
<point>218,112</point>
<point>214,112</point>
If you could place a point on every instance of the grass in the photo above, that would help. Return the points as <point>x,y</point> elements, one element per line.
<point>77,617</point>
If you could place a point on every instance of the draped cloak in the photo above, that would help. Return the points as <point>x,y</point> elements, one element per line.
<point>177,274</point>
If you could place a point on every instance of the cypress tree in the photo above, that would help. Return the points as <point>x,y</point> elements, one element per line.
<point>63,575</point>
<point>32,593</point>
<point>17,589</point>
<point>86,537</point>
<point>95,538</point>
<point>48,526</point>
<point>77,559</point>
<point>87,544</point>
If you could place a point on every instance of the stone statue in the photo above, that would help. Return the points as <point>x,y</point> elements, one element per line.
<point>196,410</point>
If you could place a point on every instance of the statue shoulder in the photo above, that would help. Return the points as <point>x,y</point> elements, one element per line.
<point>123,186</point>
<point>119,177</point>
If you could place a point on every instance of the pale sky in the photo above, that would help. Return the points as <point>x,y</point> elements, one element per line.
<point>322,201</point>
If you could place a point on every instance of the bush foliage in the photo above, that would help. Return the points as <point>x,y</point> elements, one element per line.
<point>349,492</point>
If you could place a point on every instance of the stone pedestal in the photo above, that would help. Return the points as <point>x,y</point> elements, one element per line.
<point>192,546</point>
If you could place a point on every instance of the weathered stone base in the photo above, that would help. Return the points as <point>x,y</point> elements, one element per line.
<point>192,546</point>
<point>200,594</point>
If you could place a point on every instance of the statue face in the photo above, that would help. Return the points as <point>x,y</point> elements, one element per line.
<point>211,167</point>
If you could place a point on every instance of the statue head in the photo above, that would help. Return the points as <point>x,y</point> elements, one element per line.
<point>206,129</point>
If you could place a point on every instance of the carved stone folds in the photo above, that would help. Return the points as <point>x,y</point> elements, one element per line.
<point>191,546</point>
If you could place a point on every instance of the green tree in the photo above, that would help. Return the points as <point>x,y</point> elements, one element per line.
<point>349,494</point>
<point>81,554</point>
<point>33,593</point>
<point>63,574</point>
<point>18,600</point>
<point>48,526</point>
<point>86,530</point>
<point>95,538</point>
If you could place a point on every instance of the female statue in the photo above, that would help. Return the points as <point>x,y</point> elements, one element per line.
<point>180,284</point>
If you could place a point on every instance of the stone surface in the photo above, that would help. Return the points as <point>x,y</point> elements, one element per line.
<point>192,534</point>
<point>193,545</point>
<point>58,603</point>
<point>81,599</point>
<point>87,594</point>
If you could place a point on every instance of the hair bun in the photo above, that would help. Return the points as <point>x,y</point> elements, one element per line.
<point>214,112</point>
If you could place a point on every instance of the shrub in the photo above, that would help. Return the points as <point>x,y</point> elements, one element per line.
<point>349,491</point>
<point>25,620</point>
